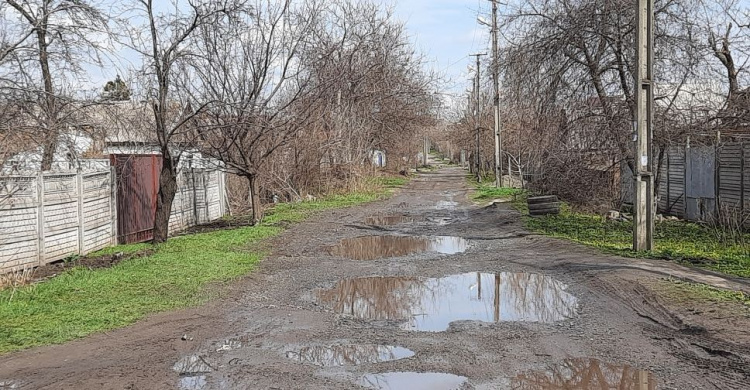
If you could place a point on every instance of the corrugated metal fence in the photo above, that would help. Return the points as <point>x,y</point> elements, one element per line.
<point>695,181</point>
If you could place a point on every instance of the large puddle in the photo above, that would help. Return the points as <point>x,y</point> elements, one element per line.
<point>388,220</point>
<point>348,354</point>
<point>432,304</point>
<point>412,381</point>
<point>585,374</point>
<point>378,247</point>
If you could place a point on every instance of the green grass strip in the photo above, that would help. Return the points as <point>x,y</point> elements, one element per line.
<point>682,241</point>
<point>82,301</point>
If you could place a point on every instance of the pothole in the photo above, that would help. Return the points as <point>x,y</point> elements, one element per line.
<point>412,381</point>
<point>193,383</point>
<point>348,354</point>
<point>583,374</point>
<point>8,384</point>
<point>192,365</point>
<point>446,205</point>
<point>389,220</point>
<point>377,247</point>
<point>431,304</point>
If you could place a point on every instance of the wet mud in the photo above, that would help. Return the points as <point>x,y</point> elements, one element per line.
<point>505,309</point>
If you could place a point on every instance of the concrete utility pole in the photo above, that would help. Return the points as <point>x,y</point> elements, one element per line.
<point>496,100</point>
<point>643,221</point>
<point>477,116</point>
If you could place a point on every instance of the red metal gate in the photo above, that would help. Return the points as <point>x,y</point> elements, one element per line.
<point>137,189</point>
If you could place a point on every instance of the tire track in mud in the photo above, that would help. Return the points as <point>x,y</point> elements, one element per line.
<point>726,364</point>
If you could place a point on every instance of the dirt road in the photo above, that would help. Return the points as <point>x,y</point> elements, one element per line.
<point>465,299</point>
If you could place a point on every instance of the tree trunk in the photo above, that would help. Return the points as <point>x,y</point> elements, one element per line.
<point>255,198</point>
<point>167,191</point>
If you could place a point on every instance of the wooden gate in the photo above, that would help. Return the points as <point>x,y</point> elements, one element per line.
<point>137,188</point>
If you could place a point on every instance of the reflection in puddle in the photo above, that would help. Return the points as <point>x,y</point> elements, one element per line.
<point>387,220</point>
<point>351,354</point>
<point>193,383</point>
<point>190,365</point>
<point>586,374</point>
<point>412,381</point>
<point>446,205</point>
<point>377,247</point>
<point>432,304</point>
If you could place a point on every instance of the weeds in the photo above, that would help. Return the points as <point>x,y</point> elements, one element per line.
<point>685,242</point>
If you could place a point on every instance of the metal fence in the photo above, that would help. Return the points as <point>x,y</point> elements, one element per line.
<point>695,182</point>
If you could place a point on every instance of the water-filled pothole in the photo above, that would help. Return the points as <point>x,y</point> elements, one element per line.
<point>432,304</point>
<point>378,247</point>
<point>348,354</point>
<point>193,383</point>
<point>585,374</point>
<point>446,205</point>
<point>388,220</point>
<point>412,381</point>
<point>191,365</point>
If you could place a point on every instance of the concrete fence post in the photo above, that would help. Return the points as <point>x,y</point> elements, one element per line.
<point>81,228</point>
<point>113,203</point>
<point>40,218</point>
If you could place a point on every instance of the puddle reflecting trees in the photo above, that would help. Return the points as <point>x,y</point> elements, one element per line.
<point>586,374</point>
<point>377,247</point>
<point>432,304</point>
<point>348,354</point>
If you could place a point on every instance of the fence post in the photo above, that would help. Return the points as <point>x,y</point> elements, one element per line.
<point>81,222</point>
<point>742,179</point>
<point>40,218</point>
<point>717,176</point>
<point>113,203</point>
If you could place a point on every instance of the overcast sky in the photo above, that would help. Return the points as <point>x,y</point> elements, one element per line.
<point>446,31</point>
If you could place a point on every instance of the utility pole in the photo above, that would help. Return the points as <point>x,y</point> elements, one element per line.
<point>496,100</point>
<point>643,221</point>
<point>477,115</point>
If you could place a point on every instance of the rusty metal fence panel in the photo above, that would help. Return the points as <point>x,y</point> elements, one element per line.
<point>137,189</point>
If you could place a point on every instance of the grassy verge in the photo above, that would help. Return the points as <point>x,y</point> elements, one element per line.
<point>83,301</point>
<point>486,190</point>
<point>687,292</point>
<point>674,240</point>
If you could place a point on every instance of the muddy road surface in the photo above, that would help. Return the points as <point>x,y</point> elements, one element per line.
<point>421,291</point>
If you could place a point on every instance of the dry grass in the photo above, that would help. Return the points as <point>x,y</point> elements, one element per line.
<point>16,279</point>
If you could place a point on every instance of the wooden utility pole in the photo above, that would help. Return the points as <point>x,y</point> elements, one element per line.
<point>477,116</point>
<point>643,221</point>
<point>496,100</point>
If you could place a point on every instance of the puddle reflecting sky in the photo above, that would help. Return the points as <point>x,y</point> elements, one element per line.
<point>378,247</point>
<point>432,304</point>
<point>412,381</point>
<point>348,354</point>
<point>586,374</point>
<point>193,383</point>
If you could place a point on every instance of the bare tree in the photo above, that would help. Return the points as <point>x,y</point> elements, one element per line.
<point>42,48</point>
<point>165,42</point>
<point>250,67</point>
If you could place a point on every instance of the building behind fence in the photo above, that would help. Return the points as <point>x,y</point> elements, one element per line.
<point>697,182</point>
<point>51,216</point>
